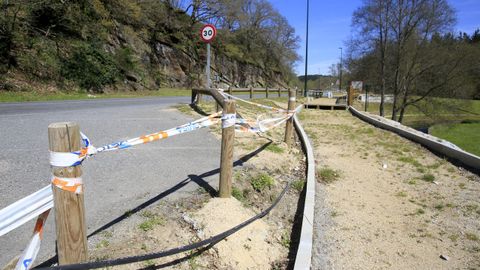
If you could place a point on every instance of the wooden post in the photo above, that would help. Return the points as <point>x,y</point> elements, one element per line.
<point>350,95</point>
<point>194,96</point>
<point>226,157</point>
<point>230,90</point>
<point>251,92</point>
<point>69,206</point>
<point>289,125</point>
<point>266,92</point>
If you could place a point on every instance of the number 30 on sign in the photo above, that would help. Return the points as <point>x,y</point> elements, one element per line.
<point>208,33</point>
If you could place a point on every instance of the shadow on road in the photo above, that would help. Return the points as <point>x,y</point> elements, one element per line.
<point>198,179</point>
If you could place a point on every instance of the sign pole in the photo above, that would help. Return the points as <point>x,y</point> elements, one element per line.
<point>207,71</point>
<point>207,34</point>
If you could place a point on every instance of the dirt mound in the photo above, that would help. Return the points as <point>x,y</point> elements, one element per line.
<point>250,248</point>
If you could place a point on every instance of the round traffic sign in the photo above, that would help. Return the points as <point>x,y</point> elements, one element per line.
<point>208,33</point>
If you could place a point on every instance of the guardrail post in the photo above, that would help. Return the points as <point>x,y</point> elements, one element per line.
<point>226,157</point>
<point>69,206</point>
<point>266,92</point>
<point>251,92</point>
<point>279,93</point>
<point>289,125</point>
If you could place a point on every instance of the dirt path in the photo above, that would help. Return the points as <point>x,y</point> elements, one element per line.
<point>384,202</point>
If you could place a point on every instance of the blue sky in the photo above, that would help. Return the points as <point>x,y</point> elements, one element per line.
<point>329,27</point>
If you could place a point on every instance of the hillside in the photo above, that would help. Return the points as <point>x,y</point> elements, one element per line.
<point>106,45</point>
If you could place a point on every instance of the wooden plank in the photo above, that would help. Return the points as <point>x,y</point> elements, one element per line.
<point>69,206</point>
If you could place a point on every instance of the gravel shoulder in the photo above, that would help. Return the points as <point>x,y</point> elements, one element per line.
<point>385,202</point>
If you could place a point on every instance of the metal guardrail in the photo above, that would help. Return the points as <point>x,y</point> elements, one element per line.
<point>433,143</point>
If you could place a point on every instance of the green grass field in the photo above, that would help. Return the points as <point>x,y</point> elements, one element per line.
<point>464,135</point>
<point>433,111</point>
<point>454,120</point>
<point>34,96</point>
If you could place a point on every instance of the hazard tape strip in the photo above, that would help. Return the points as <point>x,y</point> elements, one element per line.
<point>23,210</point>
<point>65,159</point>
<point>255,104</point>
<point>30,253</point>
<point>74,185</point>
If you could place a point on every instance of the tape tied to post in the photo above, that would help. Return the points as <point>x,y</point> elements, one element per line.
<point>228,120</point>
<point>74,184</point>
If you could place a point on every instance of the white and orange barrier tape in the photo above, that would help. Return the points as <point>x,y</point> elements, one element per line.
<point>270,108</point>
<point>65,159</point>
<point>28,256</point>
<point>74,185</point>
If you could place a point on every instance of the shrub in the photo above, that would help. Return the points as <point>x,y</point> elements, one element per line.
<point>261,182</point>
<point>90,67</point>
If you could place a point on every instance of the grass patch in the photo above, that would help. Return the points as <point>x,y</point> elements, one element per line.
<point>103,243</point>
<point>412,182</point>
<point>275,148</point>
<point>298,185</point>
<point>439,207</point>
<point>262,182</point>
<point>152,221</point>
<point>285,239</point>
<point>453,237</point>
<point>428,177</point>
<point>410,160</point>
<point>471,236</point>
<point>420,211</point>
<point>77,95</point>
<point>328,175</point>
<point>464,135</point>
<point>238,194</point>
<point>402,194</point>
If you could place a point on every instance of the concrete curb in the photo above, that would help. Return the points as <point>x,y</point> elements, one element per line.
<point>303,259</point>
<point>433,143</point>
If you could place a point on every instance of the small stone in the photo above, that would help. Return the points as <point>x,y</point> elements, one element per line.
<point>436,183</point>
<point>384,165</point>
<point>444,257</point>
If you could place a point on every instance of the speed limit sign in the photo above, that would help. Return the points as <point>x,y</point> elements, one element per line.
<point>208,32</point>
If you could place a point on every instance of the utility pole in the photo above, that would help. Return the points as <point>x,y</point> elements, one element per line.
<point>306,53</point>
<point>341,68</point>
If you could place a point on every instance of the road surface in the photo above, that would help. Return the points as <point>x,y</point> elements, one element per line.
<point>115,182</point>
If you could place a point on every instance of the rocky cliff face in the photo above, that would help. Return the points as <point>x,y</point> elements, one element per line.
<point>169,65</point>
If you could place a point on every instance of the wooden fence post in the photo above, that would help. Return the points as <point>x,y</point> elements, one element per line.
<point>226,156</point>
<point>69,206</point>
<point>350,94</point>
<point>194,96</point>
<point>266,92</point>
<point>289,125</point>
<point>279,93</point>
<point>230,90</point>
<point>251,92</point>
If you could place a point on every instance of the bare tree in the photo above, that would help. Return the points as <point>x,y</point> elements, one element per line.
<point>372,19</point>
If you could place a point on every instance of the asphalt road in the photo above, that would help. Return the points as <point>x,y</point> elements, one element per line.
<point>115,182</point>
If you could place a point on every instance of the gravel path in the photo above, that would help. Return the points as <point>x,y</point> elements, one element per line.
<point>386,203</point>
